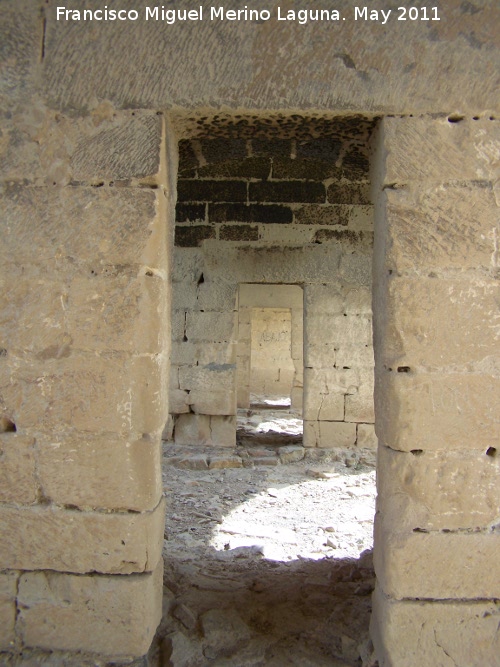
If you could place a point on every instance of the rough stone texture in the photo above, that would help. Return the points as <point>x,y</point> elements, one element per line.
<point>330,435</point>
<point>436,227</point>
<point>438,411</point>
<point>38,217</point>
<point>77,392</point>
<point>18,483</point>
<point>8,594</point>
<point>346,57</point>
<point>437,150</point>
<point>366,436</point>
<point>414,633</point>
<point>436,565</point>
<point>412,336</point>
<point>438,490</point>
<point>81,542</point>
<point>119,613</point>
<point>100,472</point>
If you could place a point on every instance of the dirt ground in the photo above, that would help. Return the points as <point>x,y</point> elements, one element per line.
<point>270,563</point>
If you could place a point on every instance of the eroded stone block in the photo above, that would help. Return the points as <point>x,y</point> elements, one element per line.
<point>100,471</point>
<point>49,538</point>
<point>8,594</point>
<point>414,633</point>
<point>18,482</point>
<point>435,150</point>
<point>436,565</point>
<point>437,490</point>
<point>111,615</point>
<point>441,227</point>
<point>432,412</point>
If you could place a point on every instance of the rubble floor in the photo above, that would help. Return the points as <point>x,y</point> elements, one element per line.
<point>267,563</point>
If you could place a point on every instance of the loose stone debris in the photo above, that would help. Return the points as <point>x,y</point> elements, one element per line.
<point>267,565</point>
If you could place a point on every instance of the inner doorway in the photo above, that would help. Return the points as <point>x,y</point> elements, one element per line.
<point>270,365</point>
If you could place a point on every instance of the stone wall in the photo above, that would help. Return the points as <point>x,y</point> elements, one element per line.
<point>85,294</point>
<point>436,339</point>
<point>84,336</point>
<point>277,201</point>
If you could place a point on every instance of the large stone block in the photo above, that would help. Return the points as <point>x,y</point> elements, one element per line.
<point>18,483</point>
<point>441,227</point>
<point>46,537</point>
<point>359,405</point>
<point>95,225</point>
<point>329,435</point>
<point>217,295</point>
<point>366,436</point>
<point>8,611</point>
<point>210,327</point>
<point>432,412</point>
<point>462,70</point>
<point>338,329</point>
<point>223,431</point>
<point>435,150</point>
<point>275,264</point>
<point>436,565</point>
<point>324,392</point>
<point>415,633</point>
<point>441,490</point>
<point>191,429</point>
<point>212,402</point>
<point>178,401</point>
<point>119,149</point>
<point>86,392</point>
<point>351,355</point>
<point>434,322</point>
<point>104,472</point>
<point>114,616</point>
<point>212,377</point>
<point>57,307</point>
<point>20,36</point>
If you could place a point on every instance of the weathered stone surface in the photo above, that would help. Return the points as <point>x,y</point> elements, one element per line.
<point>8,594</point>
<point>183,353</point>
<point>329,435</point>
<point>178,401</point>
<point>219,462</point>
<point>212,402</point>
<point>108,225</point>
<point>339,328</point>
<point>432,412</point>
<point>210,327</point>
<point>80,542</point>
<point>436,565</point>
<point>111,615</point>
<point>123,395</point>
<point>434,149</point>
<point>270,51</point>
<point>21,32</point>
<point>128,150</point>
<point>324,391</point>
<point>359,405</point>
<point>18,482</point>
<point>441,490</point>
<point>55,308</point>
<point>414,633</point>
<point>100,471</point>
<point>411,334</point>
<point>291,453</point>
<point>212,377</point>
<point>191,429</point>
<point>441,227</point>
<point>223,431</point>
<point>366,436</point>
